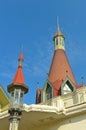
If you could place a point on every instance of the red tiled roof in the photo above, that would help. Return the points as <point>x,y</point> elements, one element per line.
<point>19,78</point>
<point>79,86</point>
<point>57,84</point>
<point>57,87</point>
<point>59,67</point>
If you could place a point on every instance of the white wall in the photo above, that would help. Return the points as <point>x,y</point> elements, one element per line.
<point>72,123</point>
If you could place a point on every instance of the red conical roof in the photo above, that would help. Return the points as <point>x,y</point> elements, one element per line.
<point>19,77</point>
<point>60,66</point>
<point>18,81</point>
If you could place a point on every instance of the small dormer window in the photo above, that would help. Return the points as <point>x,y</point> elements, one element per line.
<point>67,88</point>
<point>48,92</point>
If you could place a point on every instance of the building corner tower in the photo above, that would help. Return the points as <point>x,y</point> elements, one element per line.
<point>60,79</point>
<point>60,66</point>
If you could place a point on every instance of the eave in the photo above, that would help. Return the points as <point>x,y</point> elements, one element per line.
<point>53,111</point>
<point>41,115</point>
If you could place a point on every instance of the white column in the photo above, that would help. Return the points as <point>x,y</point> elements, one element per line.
<point>14,124</point>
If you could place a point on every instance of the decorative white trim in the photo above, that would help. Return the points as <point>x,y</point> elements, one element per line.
<point>4,114</point>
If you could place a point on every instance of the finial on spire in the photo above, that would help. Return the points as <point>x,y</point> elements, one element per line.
<point>20,59</point>
<point>58,23</point>
<point>22,47</point>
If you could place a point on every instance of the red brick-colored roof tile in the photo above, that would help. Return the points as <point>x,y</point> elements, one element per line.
<point>57,87</point>
<point>19,77</point>
<point>79,86</point>
<point>57,84</point>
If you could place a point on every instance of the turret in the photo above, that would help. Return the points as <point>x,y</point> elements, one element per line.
<point>59,40</point>
<point>17,89</point>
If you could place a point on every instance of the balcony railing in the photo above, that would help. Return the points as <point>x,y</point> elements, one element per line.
<point>68,100</point>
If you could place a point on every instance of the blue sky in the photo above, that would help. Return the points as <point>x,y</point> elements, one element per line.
<point>33,23</point>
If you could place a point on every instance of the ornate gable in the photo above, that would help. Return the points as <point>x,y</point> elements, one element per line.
<point>67,86</point>
<point>48,91</point>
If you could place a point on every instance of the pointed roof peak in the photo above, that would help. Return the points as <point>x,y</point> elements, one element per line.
<point>21,56</point>
<point>21,59</point>
<point>58,32</point>
<point>58,27</point>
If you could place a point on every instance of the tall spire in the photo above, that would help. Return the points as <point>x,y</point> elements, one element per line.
<point>59,71</point>
<point>19,77</point>
<point>60,63</point>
